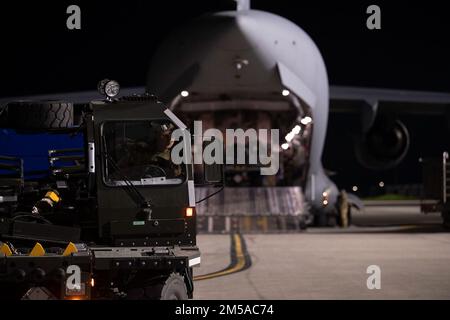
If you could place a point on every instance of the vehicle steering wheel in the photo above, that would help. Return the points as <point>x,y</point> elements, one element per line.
<point>152,171</point>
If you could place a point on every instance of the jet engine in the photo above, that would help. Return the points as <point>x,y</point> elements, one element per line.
<point>384,146</point>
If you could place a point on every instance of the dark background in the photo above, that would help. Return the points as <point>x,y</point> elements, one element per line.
<point>40,55</point>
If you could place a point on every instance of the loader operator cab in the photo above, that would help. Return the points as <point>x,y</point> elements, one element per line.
<point>142,150</point>
<point>142,193</point>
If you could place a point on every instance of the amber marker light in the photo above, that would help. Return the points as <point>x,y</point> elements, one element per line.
<point>189,212</point>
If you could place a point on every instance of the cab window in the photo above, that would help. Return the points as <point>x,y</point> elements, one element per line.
<point>140,152</point>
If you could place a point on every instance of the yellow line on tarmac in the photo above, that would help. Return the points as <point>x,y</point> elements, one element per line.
<point>240,262</point>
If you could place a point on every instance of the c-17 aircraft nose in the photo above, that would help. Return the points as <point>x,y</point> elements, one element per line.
<point>246,60</point>
<point>235,51</point>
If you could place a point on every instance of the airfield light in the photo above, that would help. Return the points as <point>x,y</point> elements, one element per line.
<point>184,93</point>
<point>381,184</point>
<point>285,92</point>
<point>355,188</point>
<point>285,146</point>
<point>325,202</point>
<point>306,120</point>
<point>296,129</point>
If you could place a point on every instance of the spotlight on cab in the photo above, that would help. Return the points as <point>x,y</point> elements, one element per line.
<point>108,88</point>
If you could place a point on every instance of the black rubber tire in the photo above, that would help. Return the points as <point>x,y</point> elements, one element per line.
<point>40,115</point>
<point>173,288</point>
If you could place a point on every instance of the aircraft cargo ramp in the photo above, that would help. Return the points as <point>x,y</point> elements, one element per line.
<point>255,209</point>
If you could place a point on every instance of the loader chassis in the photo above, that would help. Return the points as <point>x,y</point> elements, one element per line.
<point>116,210</point>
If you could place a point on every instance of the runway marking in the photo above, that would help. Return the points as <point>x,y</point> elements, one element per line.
<point>240,259</point>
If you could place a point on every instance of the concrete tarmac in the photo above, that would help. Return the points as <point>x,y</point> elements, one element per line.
<point>412,251</point>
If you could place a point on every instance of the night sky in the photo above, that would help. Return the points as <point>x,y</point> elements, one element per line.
<point>40,55</point>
